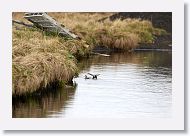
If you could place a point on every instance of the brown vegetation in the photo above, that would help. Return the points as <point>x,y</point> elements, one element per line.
<point>39,60</point>
<point>118,34</point>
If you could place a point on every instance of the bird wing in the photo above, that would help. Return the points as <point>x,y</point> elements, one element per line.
<point>97,74</point>
<point>91,74</point>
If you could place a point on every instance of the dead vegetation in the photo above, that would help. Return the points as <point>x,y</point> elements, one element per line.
<point>118,34</point>
<point>39,60</point>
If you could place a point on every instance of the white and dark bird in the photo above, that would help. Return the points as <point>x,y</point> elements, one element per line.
<point>85,77</point>
<point>94,76</point>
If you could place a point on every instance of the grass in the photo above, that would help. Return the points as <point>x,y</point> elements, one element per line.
<point>40,59</point>
<point>119,34</point>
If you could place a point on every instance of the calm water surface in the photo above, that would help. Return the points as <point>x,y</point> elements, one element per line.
<point>130,85</point>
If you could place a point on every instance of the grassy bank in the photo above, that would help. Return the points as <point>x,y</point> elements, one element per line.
<point>40,59</point>
<point>119,34</point>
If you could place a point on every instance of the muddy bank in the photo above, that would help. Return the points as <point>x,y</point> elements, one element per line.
<point>161,42</point>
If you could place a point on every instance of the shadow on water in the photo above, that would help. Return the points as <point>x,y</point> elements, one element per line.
<point>153,59</point>
<point>142,80</point>
<point>42,105</point>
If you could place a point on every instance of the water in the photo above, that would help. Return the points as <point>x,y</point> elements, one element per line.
<point>130,85</point>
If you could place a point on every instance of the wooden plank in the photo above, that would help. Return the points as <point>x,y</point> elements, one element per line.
<point>43,21</point>
<point>105,55</point>
<point>21,23</point>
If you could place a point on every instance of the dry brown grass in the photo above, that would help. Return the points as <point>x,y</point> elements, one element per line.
<point>37,70</point>
<point>120,34</point>
<point>39,60</point>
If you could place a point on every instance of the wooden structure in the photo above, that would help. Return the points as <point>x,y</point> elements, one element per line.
<point>43,21</point>
<point>21,23</point>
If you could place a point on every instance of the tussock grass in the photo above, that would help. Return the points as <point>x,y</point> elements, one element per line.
<point>119,34</point>
<point>27,41</point>
<point>40,59</point>
<point>37,70</point>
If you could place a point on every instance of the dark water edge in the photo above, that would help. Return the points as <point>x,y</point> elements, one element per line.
<point>141,49</point>
<point>41,104</point>
<point>57,101</point>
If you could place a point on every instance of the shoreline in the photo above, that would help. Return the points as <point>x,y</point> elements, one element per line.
<point>153,50</point>
<point>40,59</point>
<point>70,83</point>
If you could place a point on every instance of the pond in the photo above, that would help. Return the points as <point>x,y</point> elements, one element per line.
<point>130,85</point>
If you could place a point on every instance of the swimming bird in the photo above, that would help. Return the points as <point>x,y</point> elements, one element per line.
<point>85,77</point>
<point>94,76</point>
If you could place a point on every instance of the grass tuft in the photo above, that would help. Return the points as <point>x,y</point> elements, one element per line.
<point>40,59</point>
